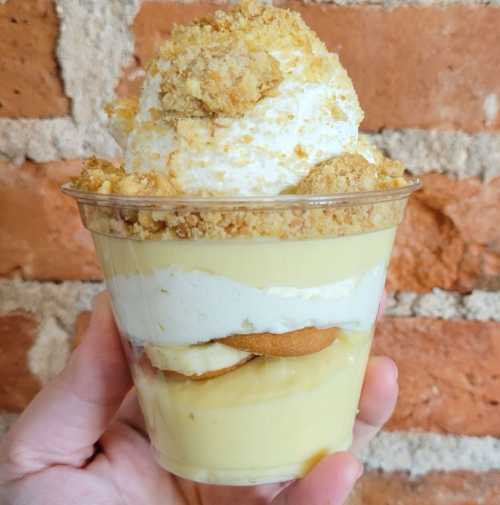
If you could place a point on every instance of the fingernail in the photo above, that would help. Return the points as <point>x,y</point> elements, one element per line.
<point>360,471</point>
<point>81,325</point>
<point>383,302</point>
<point>394,370</point>
<point>99,303</point>
<point>98,311</point>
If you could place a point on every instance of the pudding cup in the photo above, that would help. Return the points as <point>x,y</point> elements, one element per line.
<point>247,322</point>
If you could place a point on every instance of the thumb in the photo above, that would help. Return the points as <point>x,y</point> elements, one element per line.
<point>329,482</point>
<point>68,416</point>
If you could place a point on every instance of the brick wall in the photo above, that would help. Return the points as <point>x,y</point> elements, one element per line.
<point>427,77</point>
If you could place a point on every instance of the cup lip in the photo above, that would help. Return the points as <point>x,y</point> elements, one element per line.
<point>243,202</point>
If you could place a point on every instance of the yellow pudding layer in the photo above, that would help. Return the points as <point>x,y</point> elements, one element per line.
<point>266,262</point>
<point>268,421</point>
<point>271,419</point>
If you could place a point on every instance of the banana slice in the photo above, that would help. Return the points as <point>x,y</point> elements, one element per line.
<point>207,375</point>
<point>196,359</point>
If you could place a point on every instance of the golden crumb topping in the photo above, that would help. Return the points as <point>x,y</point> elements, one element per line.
<point>101,176</point>
<point>221,79</point>
<point>221,65</point>
<point>193,224</point>
<point>342,174</point>
<point>345,173</point>
<point>351,172</point>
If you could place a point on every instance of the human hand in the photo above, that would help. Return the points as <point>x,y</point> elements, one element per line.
<point>81,440</point>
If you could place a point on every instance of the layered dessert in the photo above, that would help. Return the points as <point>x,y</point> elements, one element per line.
<point>245,241</point>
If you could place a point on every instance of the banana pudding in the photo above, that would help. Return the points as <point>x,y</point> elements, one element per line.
<point>235,338</point>
<point>244,240</point>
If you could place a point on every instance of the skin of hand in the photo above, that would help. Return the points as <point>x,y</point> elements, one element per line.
<point>82,441</point>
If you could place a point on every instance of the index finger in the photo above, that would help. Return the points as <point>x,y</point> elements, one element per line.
<point>63,422</point>
<point>378,399</point>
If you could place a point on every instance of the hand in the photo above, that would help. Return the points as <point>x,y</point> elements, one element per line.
<point>81,440</point>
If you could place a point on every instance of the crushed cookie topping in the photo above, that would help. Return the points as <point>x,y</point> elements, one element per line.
<point>284,224</point>
<point>329,177</point>
<point>221,79</point>
<point>352,172</point>
<point>103,177</point>
<point>342,174</point>
<point>222,65</point>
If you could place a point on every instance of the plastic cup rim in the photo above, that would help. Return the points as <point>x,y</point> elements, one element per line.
<point>243,202</point>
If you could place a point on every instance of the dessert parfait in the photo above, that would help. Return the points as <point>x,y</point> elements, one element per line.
<point>244,241</point>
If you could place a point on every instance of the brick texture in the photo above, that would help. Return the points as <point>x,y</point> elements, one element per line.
<point>18,332</point>
<point>449,375</point>
<point>413,67</point>
<point>40,230</point>
<point>450,238</point>
<point>455,488</point>
<point>31,84</point>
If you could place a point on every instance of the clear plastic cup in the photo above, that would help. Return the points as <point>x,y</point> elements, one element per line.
<point>297,279</point>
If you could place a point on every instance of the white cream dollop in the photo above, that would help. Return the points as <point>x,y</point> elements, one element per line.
<point>269,148</point>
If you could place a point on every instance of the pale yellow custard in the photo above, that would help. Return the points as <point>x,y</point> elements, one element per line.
<point>257,262</point>
<point>268,421</point>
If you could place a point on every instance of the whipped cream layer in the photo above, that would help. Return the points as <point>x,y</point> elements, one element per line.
<point>189,307</point>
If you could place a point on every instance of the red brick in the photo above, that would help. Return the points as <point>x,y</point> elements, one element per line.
<point>18,331</point>
<point>29,73</point>
<point>454,488</point>
<point>412,66</point>
<point>449,375</point>
<point>40,229</point>
<point>450,238</point>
